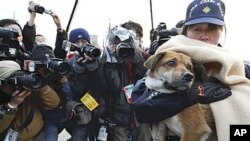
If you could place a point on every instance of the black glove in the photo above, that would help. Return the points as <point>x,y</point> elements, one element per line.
<point>205,89</point>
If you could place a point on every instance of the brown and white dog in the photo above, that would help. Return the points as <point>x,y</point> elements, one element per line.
<point>169,72</point>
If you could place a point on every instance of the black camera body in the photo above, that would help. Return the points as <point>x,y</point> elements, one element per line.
<point>18,80</point>
<point>161,35</point>
<point>58,66</point>
<point>32,81</point>
<point>9,45</point>
<point>87,49</point>
<point>54,65</point>
<point>165,34</point>
<point>40,9</point>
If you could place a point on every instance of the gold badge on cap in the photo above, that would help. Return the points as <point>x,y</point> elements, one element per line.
<point>206,9</point>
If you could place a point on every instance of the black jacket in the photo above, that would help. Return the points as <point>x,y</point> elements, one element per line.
<point>107,81</point>
<point>58,51</point>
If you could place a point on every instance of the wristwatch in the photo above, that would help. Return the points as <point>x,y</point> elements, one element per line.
<point>5,109</point>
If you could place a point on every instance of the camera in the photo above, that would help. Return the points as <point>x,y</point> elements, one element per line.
<point>161,35</point>
<point>58,66</point>
<point>165,34</point>
<point>32,81</point>
<point>9,45</point>
<point>54,65</point>
<point>88,49</point>
<point>40,9</point>
<point>125,52</point>
<point>125,44</point>
<point>17,81</point>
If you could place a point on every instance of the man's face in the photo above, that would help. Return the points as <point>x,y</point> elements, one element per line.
<point>80,42</point>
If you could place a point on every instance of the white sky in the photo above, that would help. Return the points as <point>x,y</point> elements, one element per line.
<point>95,15</point>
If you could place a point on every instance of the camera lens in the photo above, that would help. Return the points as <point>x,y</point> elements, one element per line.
<point>95,53</point>
<point>36,81</point>
<point>63,68</point>
<point>123,53</point>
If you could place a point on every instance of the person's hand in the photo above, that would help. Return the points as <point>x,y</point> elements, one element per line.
<point>18,97</point>
<point>57,20</point>
<point>31,8</point>
<point>206,89</point>
<point>82,60</point>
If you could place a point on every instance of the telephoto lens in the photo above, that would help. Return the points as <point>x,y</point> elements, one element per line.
<point>90,50</point>
<point>59,67</point>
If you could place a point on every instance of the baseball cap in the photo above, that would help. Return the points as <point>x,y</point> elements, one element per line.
<point>79,33</point>
<point>205,11</point>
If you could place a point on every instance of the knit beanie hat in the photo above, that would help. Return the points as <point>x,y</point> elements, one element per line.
<point>79,33</point>
<point>7,67</point>
<point>39,52</point>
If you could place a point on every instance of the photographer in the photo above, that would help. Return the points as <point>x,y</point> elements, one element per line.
<point>86,86</point>
<point>110,78</point>
<point>25,120</point>
<point>55,71</point>
<point>27,34</point>
<point>77,36</point>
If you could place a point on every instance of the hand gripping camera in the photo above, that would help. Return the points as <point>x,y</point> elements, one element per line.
<point>88,49</point>
<point>18,80</point>
<point>40,9</point>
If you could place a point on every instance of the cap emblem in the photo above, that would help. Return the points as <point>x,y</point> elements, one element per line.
<point>206,9</point>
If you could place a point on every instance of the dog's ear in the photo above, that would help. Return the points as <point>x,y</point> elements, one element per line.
<point>152,60</point>
<point>200,72</point>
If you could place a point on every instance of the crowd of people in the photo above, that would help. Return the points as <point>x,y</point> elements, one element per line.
<point>91,92</point>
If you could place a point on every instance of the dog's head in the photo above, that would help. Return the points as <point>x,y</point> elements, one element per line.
<point>169,72</point>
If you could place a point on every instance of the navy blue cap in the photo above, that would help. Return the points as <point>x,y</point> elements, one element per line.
<point>79,33</point>
<point>205,11</point>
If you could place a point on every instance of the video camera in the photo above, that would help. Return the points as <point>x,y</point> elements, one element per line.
<point>125,44</point>
<point>125,52</point>
<point>54,65</point>
<point>161,35</point>
<point>165,34</point>
<point>40,9</point>
<point>9,45</point>
<point>88,49</point>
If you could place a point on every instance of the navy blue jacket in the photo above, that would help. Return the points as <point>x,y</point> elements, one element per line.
<point>151,106</point>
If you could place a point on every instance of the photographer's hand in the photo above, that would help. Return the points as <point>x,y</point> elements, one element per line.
<point>18,97</point>
<point>31,7</point>
<point>82,60</point>
<point>57,21</point>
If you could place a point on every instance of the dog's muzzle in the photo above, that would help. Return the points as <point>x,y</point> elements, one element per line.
<point>181,84</point>
<point>187,76</point>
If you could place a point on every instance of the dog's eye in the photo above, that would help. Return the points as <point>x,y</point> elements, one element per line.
<point>171,63</point>
<point>189,67</point>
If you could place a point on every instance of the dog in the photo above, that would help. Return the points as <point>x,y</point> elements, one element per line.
<point>169,72</point>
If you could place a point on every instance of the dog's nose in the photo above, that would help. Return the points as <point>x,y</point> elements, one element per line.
<point>187,76</point>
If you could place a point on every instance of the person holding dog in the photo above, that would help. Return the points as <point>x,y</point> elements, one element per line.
<point>205,22</point>
<point>203,29</point>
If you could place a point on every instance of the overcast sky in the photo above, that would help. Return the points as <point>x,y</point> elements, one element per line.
<point>95,16</point>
